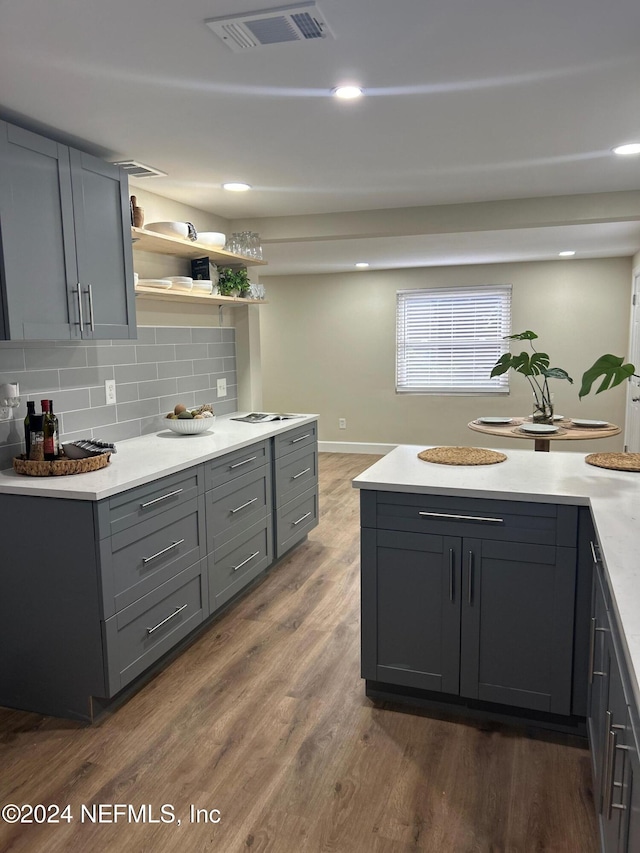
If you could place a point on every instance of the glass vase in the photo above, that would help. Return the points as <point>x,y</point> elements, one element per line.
<point>542,412</point>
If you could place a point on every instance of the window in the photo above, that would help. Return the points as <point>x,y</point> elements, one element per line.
<point>448,339</point>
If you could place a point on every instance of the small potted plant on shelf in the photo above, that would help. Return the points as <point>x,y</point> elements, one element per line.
<point>234,282</point>
<point>535,367</point>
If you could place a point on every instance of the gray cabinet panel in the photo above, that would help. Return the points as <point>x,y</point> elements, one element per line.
<point>238,562</point>
<point>103,246</point>
<point>295,519</point>
<point>294,439</point>
<point>39,276</point>
<point>295,473</point>
<point>237,505</point>
<point>226,468</point>
<point>147,629</point>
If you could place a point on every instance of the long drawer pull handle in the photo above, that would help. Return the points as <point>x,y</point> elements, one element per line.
<point>242,506</point>
<point>306,471</point>
<point>596,559</point>
<point>80,317</point>
<point>302,438</point>
<point>609,770</point>
<point>164,621</point>
<point>92,325</point>
<point>450,574</point>
<point>161,498</point>
<point>306,515</point>
<point>164,551</point>
<point>462,517</point>
<point>470,589</point>
<point>244,462</point>
<point>592,648</point>
<point>244,562</point>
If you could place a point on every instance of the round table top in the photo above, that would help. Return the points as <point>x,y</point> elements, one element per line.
<point>567,430</point>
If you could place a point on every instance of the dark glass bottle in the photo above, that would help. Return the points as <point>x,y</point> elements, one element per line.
<point>31,410</point>
<point>48,432</point>
<point>36,444</point>
<point>56,431</point>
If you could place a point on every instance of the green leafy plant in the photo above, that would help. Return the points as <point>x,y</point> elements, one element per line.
<point>535,367</point>
<point>233,282</point>
<point>611,368</point>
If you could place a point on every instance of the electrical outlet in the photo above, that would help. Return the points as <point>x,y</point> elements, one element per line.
<point>342,423</point>
<point>222,387</point>
<point>110,391</point>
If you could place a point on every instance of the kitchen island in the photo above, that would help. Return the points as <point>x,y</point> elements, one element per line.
<point>120,566</point>
<point>511,591</point>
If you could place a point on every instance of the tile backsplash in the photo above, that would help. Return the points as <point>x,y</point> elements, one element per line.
<point>164,366</point>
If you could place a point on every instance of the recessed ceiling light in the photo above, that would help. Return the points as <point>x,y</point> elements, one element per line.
<point>629,148</point>
<point>236,187</point>
<point>347,93</point>
<point>362,264</point>
<point>568,254</point>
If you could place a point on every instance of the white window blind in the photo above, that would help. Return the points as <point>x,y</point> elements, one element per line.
<point>448,339</point>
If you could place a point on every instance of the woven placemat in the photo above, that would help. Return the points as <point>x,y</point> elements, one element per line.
<point>615,461</point>
<point>461,456</point>
<point>60,467</point>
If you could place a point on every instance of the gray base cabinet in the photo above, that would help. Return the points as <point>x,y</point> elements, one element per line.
<point>295,492</point>
<point>473,598</point>
<point>66,268</point>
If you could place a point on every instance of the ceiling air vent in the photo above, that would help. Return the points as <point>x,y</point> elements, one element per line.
<point>139,170</point>
<point>299,22</point>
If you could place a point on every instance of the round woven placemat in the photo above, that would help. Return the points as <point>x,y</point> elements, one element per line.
<point>60,467</point>
<point>615,461</point>
<point>461,456</point>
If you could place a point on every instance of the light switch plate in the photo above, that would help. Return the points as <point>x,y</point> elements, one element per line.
<point>222,387</point>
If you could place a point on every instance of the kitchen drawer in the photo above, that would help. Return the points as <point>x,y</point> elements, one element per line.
<point>235,506</point>
<point>143,632</point>
<point>293,439</point>
<point>239,561</point>
<point>295,519</point>
<point>512,521</point>
<point>142,557</point>
<point>295,473</point>
<point>225,468</point>
<point>149,501</point>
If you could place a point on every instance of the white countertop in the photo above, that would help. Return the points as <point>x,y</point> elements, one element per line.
<point>554,477</point>
<point>149,457</point>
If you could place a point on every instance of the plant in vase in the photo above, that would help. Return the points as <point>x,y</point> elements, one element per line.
<point>535,367</point>
<point>234,282</point>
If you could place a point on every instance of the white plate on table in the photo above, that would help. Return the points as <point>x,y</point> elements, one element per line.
<point>496,421</point>
<point>539,429</point>
<point>581,422</point>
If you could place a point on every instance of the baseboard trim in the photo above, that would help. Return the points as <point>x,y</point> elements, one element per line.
<point>354,447</point>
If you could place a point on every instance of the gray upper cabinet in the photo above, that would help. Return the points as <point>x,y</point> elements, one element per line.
<point>67,270</point>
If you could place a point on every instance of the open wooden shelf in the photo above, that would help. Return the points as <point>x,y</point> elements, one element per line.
<point>198,298</point>
<point>149,241</point>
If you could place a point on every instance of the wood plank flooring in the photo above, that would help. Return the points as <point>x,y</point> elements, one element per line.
<point>264,718</point>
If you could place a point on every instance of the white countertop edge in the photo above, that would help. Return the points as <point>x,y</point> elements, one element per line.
<point>142,460</point>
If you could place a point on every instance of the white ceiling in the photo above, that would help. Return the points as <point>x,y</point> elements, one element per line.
<point>467,100</point>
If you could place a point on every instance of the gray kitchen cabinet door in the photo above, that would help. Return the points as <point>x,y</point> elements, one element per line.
<point>103,247</point>
<point>38,270</point>
<point>517,624</point>
<point>633,775</point>
<point>411,592</point>
<point>599,667</point>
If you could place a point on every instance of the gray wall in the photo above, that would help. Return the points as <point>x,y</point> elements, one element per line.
<point>164,366</point>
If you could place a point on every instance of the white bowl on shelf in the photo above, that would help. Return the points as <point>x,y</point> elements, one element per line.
<point>172,229</point>
<point>189,426</point>
<point>215,239</point>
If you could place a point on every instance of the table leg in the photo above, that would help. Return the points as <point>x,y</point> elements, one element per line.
<point>542,444</point>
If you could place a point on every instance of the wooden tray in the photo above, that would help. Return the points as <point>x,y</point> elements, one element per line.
<point>60,467</point>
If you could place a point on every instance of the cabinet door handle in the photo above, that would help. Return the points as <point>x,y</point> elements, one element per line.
<point>306,471</point>
<point>164,621</point>
<point>306,515</point>
<point>462,517</point>
<point>592,648</point>
<point>604,769</point>
<point>244,562</point>
<point>470,588</point>
<point>164,551</point>
<point>161,498</point>
<point>451,589</point>
<point>244,462</point>
<point>242,506</point>
<point>80,315</point>
<point>607,804</point>
<point>302,438</point>
<point>92,325</point>
<point>596,559</point>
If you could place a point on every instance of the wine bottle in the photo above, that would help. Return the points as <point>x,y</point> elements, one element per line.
<point>36,444</point>
<point>56,431</point>
<point>31,410</point>
<point>48,432</point>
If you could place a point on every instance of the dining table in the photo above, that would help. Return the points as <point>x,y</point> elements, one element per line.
<point>562,429</point>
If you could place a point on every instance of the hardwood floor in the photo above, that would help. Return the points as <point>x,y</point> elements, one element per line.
<point>264,718</point>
